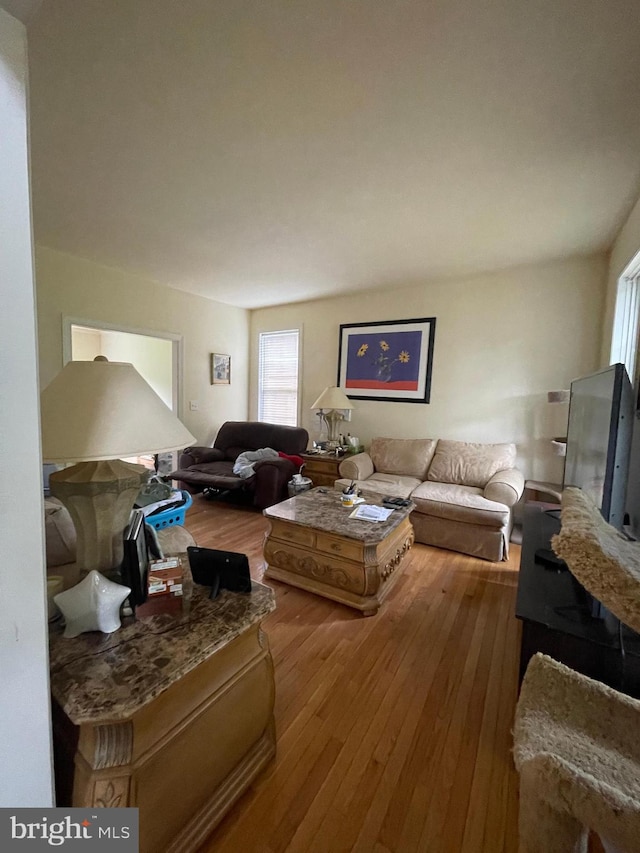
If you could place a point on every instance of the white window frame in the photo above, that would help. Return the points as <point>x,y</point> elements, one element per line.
<point>626,321</point>
<point>263,411</point>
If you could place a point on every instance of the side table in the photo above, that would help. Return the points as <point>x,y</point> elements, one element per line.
<point>173,715</point>
<point>321,468</point>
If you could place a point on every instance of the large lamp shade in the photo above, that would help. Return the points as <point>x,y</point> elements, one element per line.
<point>95,410</point>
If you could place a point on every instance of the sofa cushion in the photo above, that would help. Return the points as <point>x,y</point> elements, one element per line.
<point>394,485</point>
<point>409,457</point>
<point>459,503</point>
<point>464,463</point>
<point>216,475</point>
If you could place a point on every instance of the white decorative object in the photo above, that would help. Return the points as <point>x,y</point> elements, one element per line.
<point>92,605</point>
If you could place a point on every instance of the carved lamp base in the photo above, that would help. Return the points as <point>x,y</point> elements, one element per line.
<point>99,497</point>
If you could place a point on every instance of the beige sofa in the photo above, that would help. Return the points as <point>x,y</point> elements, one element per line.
<point>464,493</point>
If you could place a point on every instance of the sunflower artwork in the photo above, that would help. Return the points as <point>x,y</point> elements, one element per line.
<point>387,360</point>
<point>384,362</point>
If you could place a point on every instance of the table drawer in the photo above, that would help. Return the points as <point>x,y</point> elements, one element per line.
<point>292,533</point>
<point>323,470</point>
<point>338,547</point>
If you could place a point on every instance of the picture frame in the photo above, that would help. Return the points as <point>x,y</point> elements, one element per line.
<point>388,360</point>
<point>220,369</point>
<point>135,565</point>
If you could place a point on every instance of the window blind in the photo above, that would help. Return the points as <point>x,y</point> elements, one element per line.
<point>278,377</point>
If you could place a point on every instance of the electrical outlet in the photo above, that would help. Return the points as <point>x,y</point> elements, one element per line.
<point>193,405</point>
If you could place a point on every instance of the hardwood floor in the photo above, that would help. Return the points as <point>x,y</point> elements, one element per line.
<point>394,731</point>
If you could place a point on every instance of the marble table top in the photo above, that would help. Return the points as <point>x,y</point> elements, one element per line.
<point>321,509</point>
<point>107,677</point>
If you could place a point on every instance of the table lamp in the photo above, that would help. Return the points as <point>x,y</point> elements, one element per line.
<point>330,402</point>
<point>93,413</point>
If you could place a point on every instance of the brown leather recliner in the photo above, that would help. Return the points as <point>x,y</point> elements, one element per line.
<point>211,468</point>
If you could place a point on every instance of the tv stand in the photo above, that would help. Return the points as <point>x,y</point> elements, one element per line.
<point>558,618</point>
<point>549,560</point>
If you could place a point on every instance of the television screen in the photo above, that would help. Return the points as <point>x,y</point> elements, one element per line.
<point>599,439</point>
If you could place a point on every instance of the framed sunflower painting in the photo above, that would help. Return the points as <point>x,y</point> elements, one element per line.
<point>388,360</point>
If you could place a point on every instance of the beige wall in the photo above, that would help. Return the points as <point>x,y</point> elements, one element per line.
<point>502,341</point>
<point>72,287</point>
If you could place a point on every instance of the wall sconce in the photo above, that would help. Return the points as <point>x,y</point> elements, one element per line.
<point>563,397</point>
<point>332,405</point>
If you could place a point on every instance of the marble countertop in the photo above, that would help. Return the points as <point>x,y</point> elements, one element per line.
<point>321,509</point>
<point>107,677</point>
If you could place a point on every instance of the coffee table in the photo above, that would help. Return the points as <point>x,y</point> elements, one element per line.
<point>313,544</point>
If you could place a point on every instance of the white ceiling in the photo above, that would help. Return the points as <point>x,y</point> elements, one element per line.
<point>268,151</point>
<point>23,10</point>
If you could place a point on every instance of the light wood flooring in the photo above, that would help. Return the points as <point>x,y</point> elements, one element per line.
<point>393,731</point>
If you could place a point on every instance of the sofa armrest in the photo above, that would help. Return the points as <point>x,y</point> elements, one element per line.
<point>505,487</point>
<point>270,480</point>
<point>198,455</point>
<point>357,467</point>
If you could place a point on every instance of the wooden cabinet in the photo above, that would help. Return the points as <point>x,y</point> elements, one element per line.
<point>322,470</point>
<point>173,716</point>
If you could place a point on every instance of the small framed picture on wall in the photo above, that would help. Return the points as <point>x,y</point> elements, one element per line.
<point>220,369</point>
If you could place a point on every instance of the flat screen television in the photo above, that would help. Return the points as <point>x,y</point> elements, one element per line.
<point>601,415</point>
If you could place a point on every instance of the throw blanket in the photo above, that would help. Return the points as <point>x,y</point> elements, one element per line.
<point>245,462</point>
<point>297,460</point>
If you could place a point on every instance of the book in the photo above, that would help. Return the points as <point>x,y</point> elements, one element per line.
<point>367,512</point>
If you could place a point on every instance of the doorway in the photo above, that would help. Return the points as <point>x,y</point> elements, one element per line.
<point>156,356</point>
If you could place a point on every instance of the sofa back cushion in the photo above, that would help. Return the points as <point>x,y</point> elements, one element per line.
<point>463,463</point>
<point>409,457</point>
<point>236,437</point>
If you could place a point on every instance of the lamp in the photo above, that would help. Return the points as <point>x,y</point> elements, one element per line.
<point>93,413</point>
<point>332,399</point>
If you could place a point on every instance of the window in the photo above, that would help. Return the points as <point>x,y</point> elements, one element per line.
<point>278,377</point>
<point>624,344</point>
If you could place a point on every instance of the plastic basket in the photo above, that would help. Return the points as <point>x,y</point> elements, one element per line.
<point>173,516</point>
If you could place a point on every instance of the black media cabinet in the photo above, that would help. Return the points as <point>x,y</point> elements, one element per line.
<point>556,614</point>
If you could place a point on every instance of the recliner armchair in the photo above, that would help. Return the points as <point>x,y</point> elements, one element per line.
<point>211,468</point>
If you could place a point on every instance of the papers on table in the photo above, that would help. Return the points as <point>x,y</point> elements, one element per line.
<point>367,512</point>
